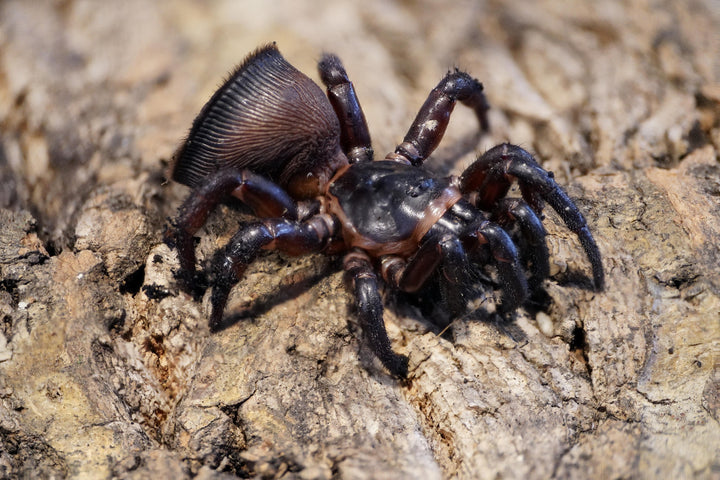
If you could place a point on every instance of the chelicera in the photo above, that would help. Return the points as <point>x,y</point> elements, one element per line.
<point>303,162</point>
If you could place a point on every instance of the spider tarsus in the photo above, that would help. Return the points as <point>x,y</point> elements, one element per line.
<point>397,365</point>
<point>593,253</point>
<point>332,72</point>
<point>223,283</point>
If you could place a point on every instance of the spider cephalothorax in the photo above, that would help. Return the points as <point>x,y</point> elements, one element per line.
<point>304,165</point>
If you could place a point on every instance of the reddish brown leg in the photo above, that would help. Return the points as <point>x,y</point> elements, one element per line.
<point>492,174</point>
<point>354,133</point>
<point>432,120</point>
<point>263,196</point>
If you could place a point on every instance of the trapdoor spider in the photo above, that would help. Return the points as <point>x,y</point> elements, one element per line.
<point>304,165</point>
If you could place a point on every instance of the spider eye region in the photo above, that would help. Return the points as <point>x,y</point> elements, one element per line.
<point>414,190</point>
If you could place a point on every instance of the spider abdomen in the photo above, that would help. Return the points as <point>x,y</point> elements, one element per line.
<point>267,117</point>
<point>386,207</point>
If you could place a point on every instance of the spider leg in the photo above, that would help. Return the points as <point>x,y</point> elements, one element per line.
<point>263,196</point>
<point>451,252</point>
<point>432,120</point>
<point>410,275</point>
<point>511,211</point>
<point>513,283</point>
<point>354,133</point>
<point>491,176</point>
<point>361,275</point>
<point>292,237</point>
<point>447,253</point>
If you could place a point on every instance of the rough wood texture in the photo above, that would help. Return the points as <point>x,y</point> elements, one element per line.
<point>106,370</point>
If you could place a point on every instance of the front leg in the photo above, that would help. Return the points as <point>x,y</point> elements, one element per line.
<point>370,311</point>
<point>265,198</point>
<point>432,120</point>
<point>294,238</point>
<point>492,174</point>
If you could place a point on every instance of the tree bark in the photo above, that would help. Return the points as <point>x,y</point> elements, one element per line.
<point>107,370</point>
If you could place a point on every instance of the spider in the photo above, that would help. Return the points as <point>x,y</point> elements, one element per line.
<point>303,162</point>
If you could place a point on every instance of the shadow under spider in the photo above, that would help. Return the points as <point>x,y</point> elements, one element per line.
<point>430,308</point>
<point>426,306</point>
<point>290,288</point>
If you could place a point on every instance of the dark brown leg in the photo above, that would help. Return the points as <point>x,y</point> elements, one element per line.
<point>492,174</point>
<point>354,133</point>
<point>295,238</point>
<point>262,195</point>
<point>513,283</point>
<point>370,311</point>
<point>432,120</point>
<point>449,253</point>
<point>512,211</point>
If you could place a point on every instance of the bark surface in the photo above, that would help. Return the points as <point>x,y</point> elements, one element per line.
<point>106,370</point>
